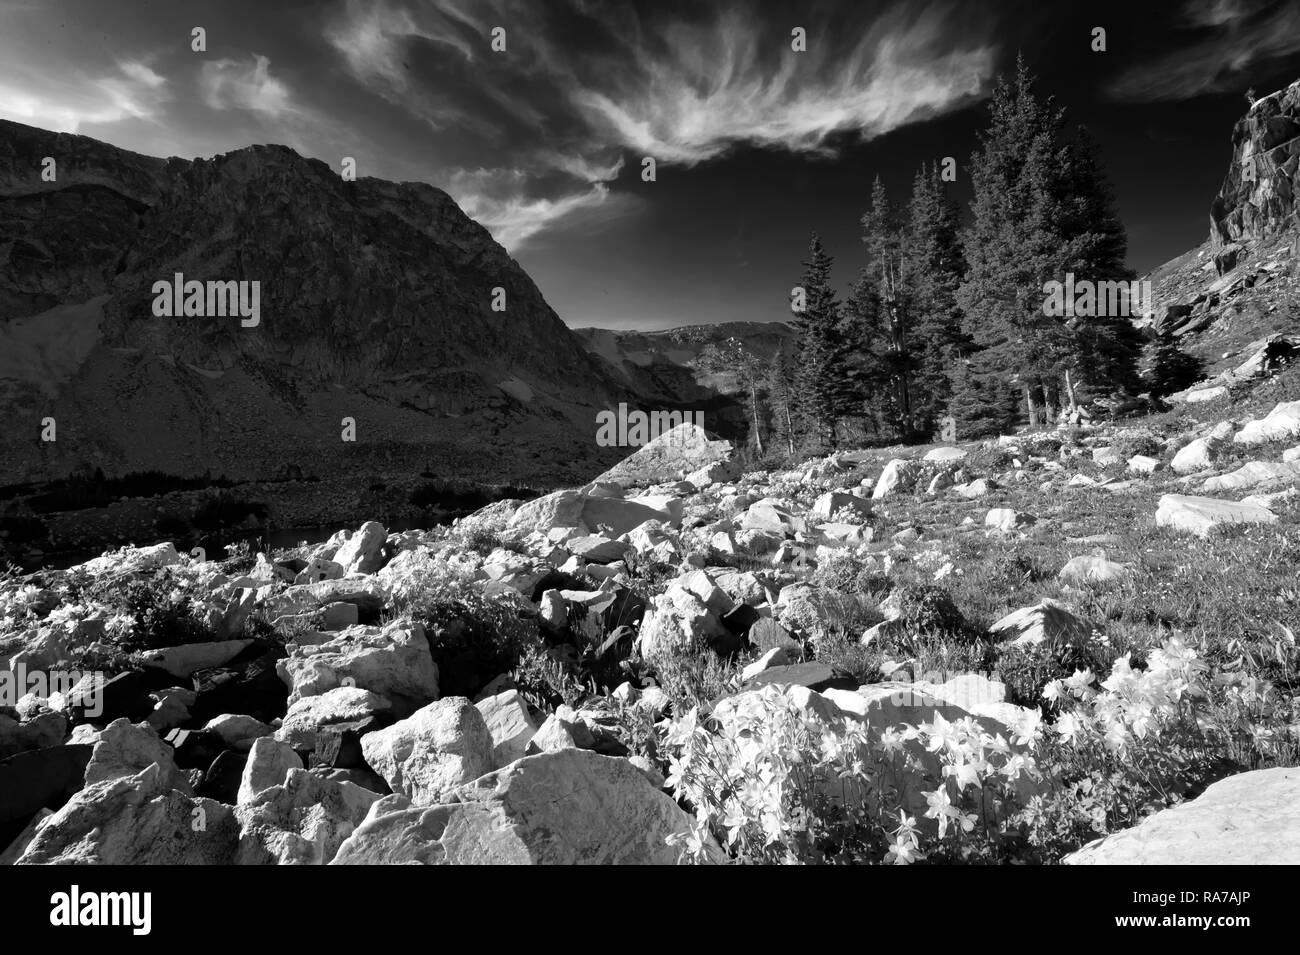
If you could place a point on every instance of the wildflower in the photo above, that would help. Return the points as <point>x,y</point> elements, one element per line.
<point>1068,727</point>
<point>904,850</point>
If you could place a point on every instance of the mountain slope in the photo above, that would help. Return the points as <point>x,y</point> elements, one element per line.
<point>1236,298</point>
<point>375,302</point>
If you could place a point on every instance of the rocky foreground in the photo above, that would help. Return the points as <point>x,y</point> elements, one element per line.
<point>953,654</point>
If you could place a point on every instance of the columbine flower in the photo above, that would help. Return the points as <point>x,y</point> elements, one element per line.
<point>904,851</point>
<point>1068,727</point>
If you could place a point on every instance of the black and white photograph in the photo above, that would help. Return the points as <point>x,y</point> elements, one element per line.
<point>651,432</point>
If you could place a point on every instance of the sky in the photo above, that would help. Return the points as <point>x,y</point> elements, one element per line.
<point>756,145</point>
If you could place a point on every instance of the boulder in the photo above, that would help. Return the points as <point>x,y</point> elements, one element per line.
<point>1195,456</point>
<point>557,509</point>
<point>124,748</point>
<point>899,475</point>
<point>363,552</point>
<point>945,455</point>
<point>509,723</point>
<point>677,620</point>
<point>1004,519</point>
<point>1252,818</point>
<point>133,560</point>
<point>570,806</point>
<point>301,821</point>
<point>772,516</point>
<point>597,549</point>
<point>1201,515</point>
<point>1049,621</point>
<point>679,450</point>
<point>343,704</point>
<point>1253,474</point>
<point>319,569</point>
<point>268,763</point>
<point>1280,424</point>
<point>436,749</point>
<point>185,660</point>
<point>135,820</point>
<point>832,502</point>
<point>1092,569</point>
<point>366,592</point>
<point>394,662</point>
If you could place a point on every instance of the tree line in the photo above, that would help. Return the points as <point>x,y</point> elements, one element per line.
<point>947,318</point>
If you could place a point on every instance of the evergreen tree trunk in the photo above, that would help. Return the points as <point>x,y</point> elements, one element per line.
<point>1030,407</point>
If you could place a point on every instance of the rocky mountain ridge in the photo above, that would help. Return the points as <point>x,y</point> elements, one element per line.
<point>376,300</point>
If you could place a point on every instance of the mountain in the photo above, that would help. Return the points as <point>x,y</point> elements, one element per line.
<point>375,304</point>
<point>1234,301</point>
<point>665,364</point>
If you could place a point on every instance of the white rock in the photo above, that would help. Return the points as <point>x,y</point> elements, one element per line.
<point>571,806</point>
<point>1200,515</point>
<point>1281,423</point>
<point>343,704</point>
<point>184,660</point>
<point>1196,456</point>
<point>1252,474</point>
<point>945,454</point>
<point>122,749</point>
<point>1091,569</point>
<point>362,553</point>
<point>394,662</point>
<point>1005,519</point>
<point>511,725</point>
<point>437,748</point>
<point>899,475</point>
<point>135,820</point>
<point>301,821</point>
<point>1048,620</point>
<point>238,731</point>
<point>1252,818</point>
<point>269,762</point>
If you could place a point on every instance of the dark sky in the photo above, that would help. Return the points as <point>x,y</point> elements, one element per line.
<point>756,145</point>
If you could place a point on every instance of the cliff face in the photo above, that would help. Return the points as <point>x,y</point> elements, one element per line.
<point>375,303</point>
<point>1259,197</point>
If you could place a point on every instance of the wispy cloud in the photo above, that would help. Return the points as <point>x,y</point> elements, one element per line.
<point>1246,35</point>
<point>234,84</point>
<point>132,90</point>
<point>499,200</point>
<point>720,85</point>
<point>682,85</point>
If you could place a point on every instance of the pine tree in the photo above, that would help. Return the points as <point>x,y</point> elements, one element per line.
<point>733,358</point>
<point>932,269</point>
<point>1010,243</point>
<point>981,403</point>
<point>822,373</point>
<point>1042,210</point>
<point>1106,347</point>
<point>878,319</point>
<point>780,387</point>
